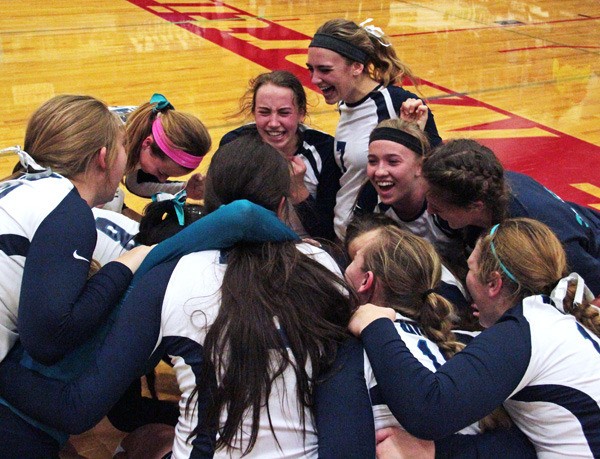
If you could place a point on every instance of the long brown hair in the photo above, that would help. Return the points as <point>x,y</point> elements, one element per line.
<point>531,260</point>
<point>66,132</point>
<point>279,308</point>
<point>463,171</point>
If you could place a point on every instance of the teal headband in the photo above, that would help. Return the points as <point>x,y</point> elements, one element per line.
<point>502,267</point>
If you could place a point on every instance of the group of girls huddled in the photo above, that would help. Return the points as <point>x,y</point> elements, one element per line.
<point>257,319</point>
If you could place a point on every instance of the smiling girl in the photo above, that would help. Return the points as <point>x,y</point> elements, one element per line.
<point>277,102</point>
<point>356,68</point>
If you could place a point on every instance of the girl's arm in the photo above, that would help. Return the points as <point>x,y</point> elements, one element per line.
<point>465,389</point>
<point>343,411</point>
<point>78,405</point>
<point>59,308</point>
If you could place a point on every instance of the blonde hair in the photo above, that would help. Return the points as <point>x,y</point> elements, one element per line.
<point>408,127</point>
<point>383,65</point>
<point>67,131</point>
<point>184,131</point>
<point>408,268</point>
<point>529,251</point>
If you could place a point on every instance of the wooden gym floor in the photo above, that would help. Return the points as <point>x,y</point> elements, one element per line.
<point>521,76</point>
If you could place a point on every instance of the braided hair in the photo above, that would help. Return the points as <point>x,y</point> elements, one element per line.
<point>463,171</point>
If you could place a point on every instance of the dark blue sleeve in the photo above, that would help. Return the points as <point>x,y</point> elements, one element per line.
<point>465,389</point>
<point>78,405</point>
<point>577,227</point>
<point>488,445</point>
<point>59,308</point>
<point>343,411</point>
<point>317,214</point>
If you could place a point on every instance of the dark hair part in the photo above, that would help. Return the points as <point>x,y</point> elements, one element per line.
<point>463,171</point>
<point>184,131</point>
<point>279,308</point>
<point>246,168</point>
<point>160,222</point>
<point>281,78</point>
<point>383,64</point>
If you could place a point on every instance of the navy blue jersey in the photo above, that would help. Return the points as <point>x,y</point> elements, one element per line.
<point>577,227</point>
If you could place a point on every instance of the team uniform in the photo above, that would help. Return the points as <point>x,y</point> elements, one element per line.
<point>577,227</point>
<point>178,300</point>
<point>116,234</point>
<point>47,238</point>
<point>540,363</point>
<point>322,178</point>
<point>351,147</point>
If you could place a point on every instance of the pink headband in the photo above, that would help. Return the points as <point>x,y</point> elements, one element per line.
<point>180,157</point>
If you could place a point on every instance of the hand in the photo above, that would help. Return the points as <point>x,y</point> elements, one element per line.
<point>414,111</point>
<point>195,186</point>
<point>366,314</point>
<point>298,190</point>
<point>395,443</point>
<point>133,259</point>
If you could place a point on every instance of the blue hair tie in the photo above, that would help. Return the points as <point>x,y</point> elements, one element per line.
<point>178,201</point>
<point>161,102</point>
<point>502,267</point>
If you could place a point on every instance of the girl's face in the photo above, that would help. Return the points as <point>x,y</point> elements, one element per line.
<point>355,274</point>
<point>394,170</point>
<point>456,216</point>
<point>161,168</point>
<point>332,74</point>
<point>277,118</point>
<point>486,309</point>
<point>117,167</point>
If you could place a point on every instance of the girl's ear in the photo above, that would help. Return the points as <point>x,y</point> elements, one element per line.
<point>102,163</point>
<point>357,68</point>
<point>281,208</point>
<point>367,283</point>
<point>494,284</point>
<point>147,141</point>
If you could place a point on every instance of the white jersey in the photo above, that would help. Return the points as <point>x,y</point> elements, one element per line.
<point>430,356</point>
<point>190,305</point>
<point>561,379</point>
<point>115,234</point>
<point>351,146</point>
<point>24,205</point>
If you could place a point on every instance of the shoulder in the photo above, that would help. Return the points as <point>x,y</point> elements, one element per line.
<point>398,93</point>
<point>320,256</point>
<point>249,128</point>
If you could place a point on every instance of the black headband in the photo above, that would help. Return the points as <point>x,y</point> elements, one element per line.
<point>340,46</point>
<point>398,136</point>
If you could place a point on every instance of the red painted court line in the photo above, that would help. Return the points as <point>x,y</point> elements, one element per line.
<point>552,157</point>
